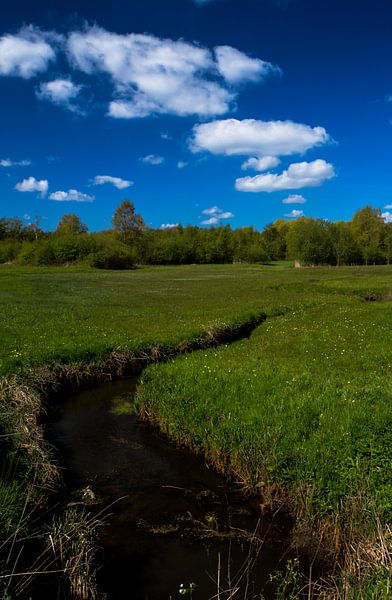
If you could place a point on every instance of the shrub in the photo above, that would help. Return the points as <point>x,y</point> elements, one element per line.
<point>8,251</point>
<point>113,258</point>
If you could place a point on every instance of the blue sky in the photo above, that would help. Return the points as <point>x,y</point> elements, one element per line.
<point>201,112</point>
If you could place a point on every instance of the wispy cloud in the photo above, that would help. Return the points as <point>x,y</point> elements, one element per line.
<point>169,225</point>
<point>294,214</point>
<point>296,176</point>
<point>152,159</point>
<point>71,196</point>
<point>182,164</point>
<point>294,199</point>
<point>31,184</point>
<point>119,183</point>
<point>215,214</point>
<point>6,162</point>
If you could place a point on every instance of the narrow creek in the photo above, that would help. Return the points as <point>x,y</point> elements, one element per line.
<point>173,521</point>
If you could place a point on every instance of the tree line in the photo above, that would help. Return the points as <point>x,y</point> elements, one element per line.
<point>366,239</point>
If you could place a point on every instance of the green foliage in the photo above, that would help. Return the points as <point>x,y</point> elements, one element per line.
<point>9,250</point>
<point>308,241</point>
<point>127,224</point>
<point>70,224</point>
<point>57,250</point>
<point>366,239</point>
<point>113,259</point>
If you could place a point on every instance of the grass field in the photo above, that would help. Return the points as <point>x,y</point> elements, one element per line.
<point>302,408</point>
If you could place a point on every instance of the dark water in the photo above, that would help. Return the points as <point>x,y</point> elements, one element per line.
<point>174,521</point>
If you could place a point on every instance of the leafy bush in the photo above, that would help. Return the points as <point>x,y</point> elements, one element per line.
<point>8,251</point>
<point>113,259</point>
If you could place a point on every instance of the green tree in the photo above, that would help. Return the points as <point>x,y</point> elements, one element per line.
<point>367,225</point>
<point>308,241</point>
<point>345,247</point>
<point>126,223</point>
<point>386,241</point>
<point>70,224</point>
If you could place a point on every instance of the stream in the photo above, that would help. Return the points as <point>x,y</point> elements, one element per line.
<point>170,519</point>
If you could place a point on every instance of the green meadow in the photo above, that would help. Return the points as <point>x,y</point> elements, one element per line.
<point>300,411</point>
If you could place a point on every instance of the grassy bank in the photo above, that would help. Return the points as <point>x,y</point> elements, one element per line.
<point>302,406</point>
<point>301,411</point>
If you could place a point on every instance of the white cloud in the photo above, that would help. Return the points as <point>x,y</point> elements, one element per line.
<point>6,162</point>
<point>31,184</point>
<point>27,53</point>
<point>152,159</point>
<point>181,164</point>
<point>388,206</point>
<point>151,75</point>
<point>298,175</point>
<point>211,221</point>
<point>155,76</point>
<point>237,67</point>
<point>294,214</point>
<point>169,225</point>
<point>261,164</point>
<point>71,196</point>
<point>119,183</point>
<point>216,215</point>
<point>251,137</point>
<point>59,91</point>
<point>294,199</point>
<point>387,216</point>
<point>165,135</point>
<point>211,211</point>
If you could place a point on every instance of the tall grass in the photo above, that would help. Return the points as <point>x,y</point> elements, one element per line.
<point>302,410</point>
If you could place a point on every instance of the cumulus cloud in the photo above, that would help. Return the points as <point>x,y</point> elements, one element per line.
<point>71,196</point>
<point>26,53</point>
<point>237,67</point>
<point>294,199</point>
<point>59,91</point>
<point>31,184</point>
<point>169,225</point>
<point>154,75</point>
<point>294,214</point>
<point>6,162</point>
<point>387,216</point>
<point>297,175</point>
<point>216,215</point>
<point>251,137</point>
<point>119,183</point>
<point>261,164</point>
<point>153,159</point>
